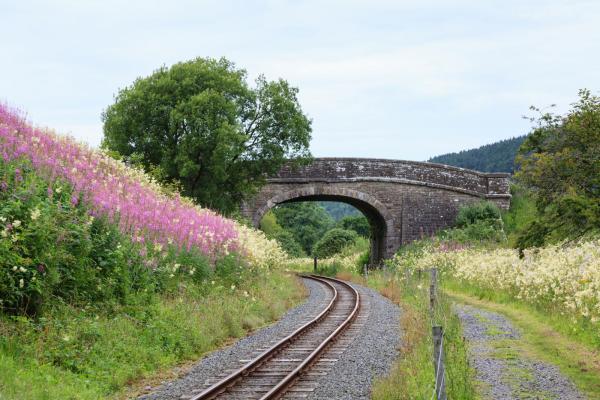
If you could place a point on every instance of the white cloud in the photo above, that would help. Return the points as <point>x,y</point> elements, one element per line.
<point>405,79</point>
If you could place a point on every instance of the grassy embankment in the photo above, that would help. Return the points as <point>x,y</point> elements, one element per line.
<point>90,308</point>
<point>74,353</point>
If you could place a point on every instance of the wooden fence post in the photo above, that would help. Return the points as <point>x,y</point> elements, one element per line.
<point>438,362</point>
<point>432,289</point>
<point>315,264</point>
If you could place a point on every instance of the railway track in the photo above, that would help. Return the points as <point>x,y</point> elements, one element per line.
<point>273,373</point>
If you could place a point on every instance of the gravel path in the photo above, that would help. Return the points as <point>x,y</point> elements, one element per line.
<point>504,372</point>
<point>372,343</point>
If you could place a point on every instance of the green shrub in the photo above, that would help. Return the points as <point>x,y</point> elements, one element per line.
<point>53,252</point>
<point>483,211</point>
<point>334,242</point>
<point>480,222</point>
<point>50,248</point>
<point>358,224</point>
<point>269,225</point>
<point>288,243</point>
<point>521,214</point>
<point>363,259</point>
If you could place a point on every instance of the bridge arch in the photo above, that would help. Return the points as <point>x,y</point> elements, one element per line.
<point>403,200</point>
<point>379,217</point>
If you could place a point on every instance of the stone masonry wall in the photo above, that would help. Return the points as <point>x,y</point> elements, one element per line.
<point>403,200</point>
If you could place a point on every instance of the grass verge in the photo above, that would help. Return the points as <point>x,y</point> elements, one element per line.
<point>87,354</point>
<point>412,376</point>
<point>572,354</point>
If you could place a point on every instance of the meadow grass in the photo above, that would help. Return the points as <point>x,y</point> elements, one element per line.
<point>87,354</point>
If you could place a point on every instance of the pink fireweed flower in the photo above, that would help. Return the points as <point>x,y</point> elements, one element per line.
<point>109,188</point>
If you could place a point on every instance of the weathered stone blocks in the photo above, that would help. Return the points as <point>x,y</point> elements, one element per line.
<point>403,200</point>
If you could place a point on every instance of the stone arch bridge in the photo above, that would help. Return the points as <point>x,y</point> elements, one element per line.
<point>403,200</point>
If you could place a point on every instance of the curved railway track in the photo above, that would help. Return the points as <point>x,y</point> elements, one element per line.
<point>272,373</point>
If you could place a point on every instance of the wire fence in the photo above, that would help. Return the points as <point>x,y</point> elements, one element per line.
<point>437,331</point>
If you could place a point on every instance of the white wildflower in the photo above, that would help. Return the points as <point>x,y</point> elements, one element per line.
<point>35,214</point>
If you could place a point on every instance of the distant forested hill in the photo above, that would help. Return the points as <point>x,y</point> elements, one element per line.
<point>339,210</point>
<point>495,157</point>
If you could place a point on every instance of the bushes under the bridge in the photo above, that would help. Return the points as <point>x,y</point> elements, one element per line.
<point>333,242</point>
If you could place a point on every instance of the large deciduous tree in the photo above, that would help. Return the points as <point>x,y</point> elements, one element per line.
<point>200,124</point>
<point>560,161</point>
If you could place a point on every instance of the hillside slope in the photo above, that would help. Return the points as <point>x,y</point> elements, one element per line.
<point>494,157</point>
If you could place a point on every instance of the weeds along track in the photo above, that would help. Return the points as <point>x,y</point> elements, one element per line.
<point>276,372</point>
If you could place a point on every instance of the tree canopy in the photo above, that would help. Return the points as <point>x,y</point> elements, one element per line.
<point>494,157</point>
<point>307,221</point>
<point>357,223</point>
<point>200,124</point>
<point>560,162</point>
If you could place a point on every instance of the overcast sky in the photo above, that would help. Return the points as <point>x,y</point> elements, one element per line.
<point>388,79</point>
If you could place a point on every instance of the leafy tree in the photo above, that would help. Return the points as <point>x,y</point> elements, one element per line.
<point>200,123</point>
<point>307,221</point>
<point>333,242</point>
<point>560,162</point>
<point>285,238</point>
<point>358,224</point>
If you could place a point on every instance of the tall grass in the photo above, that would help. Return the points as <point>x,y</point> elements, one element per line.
<point>81,353</point>
<point>412,377</point>
<point>522,212</point>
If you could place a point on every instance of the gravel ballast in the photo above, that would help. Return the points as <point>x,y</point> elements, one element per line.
<point>371,353</point>
<point>372,348</point>
<point>503,371</point>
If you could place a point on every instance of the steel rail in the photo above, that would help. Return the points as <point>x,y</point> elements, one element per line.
<point>289,380</point>
<point>230,380</point>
